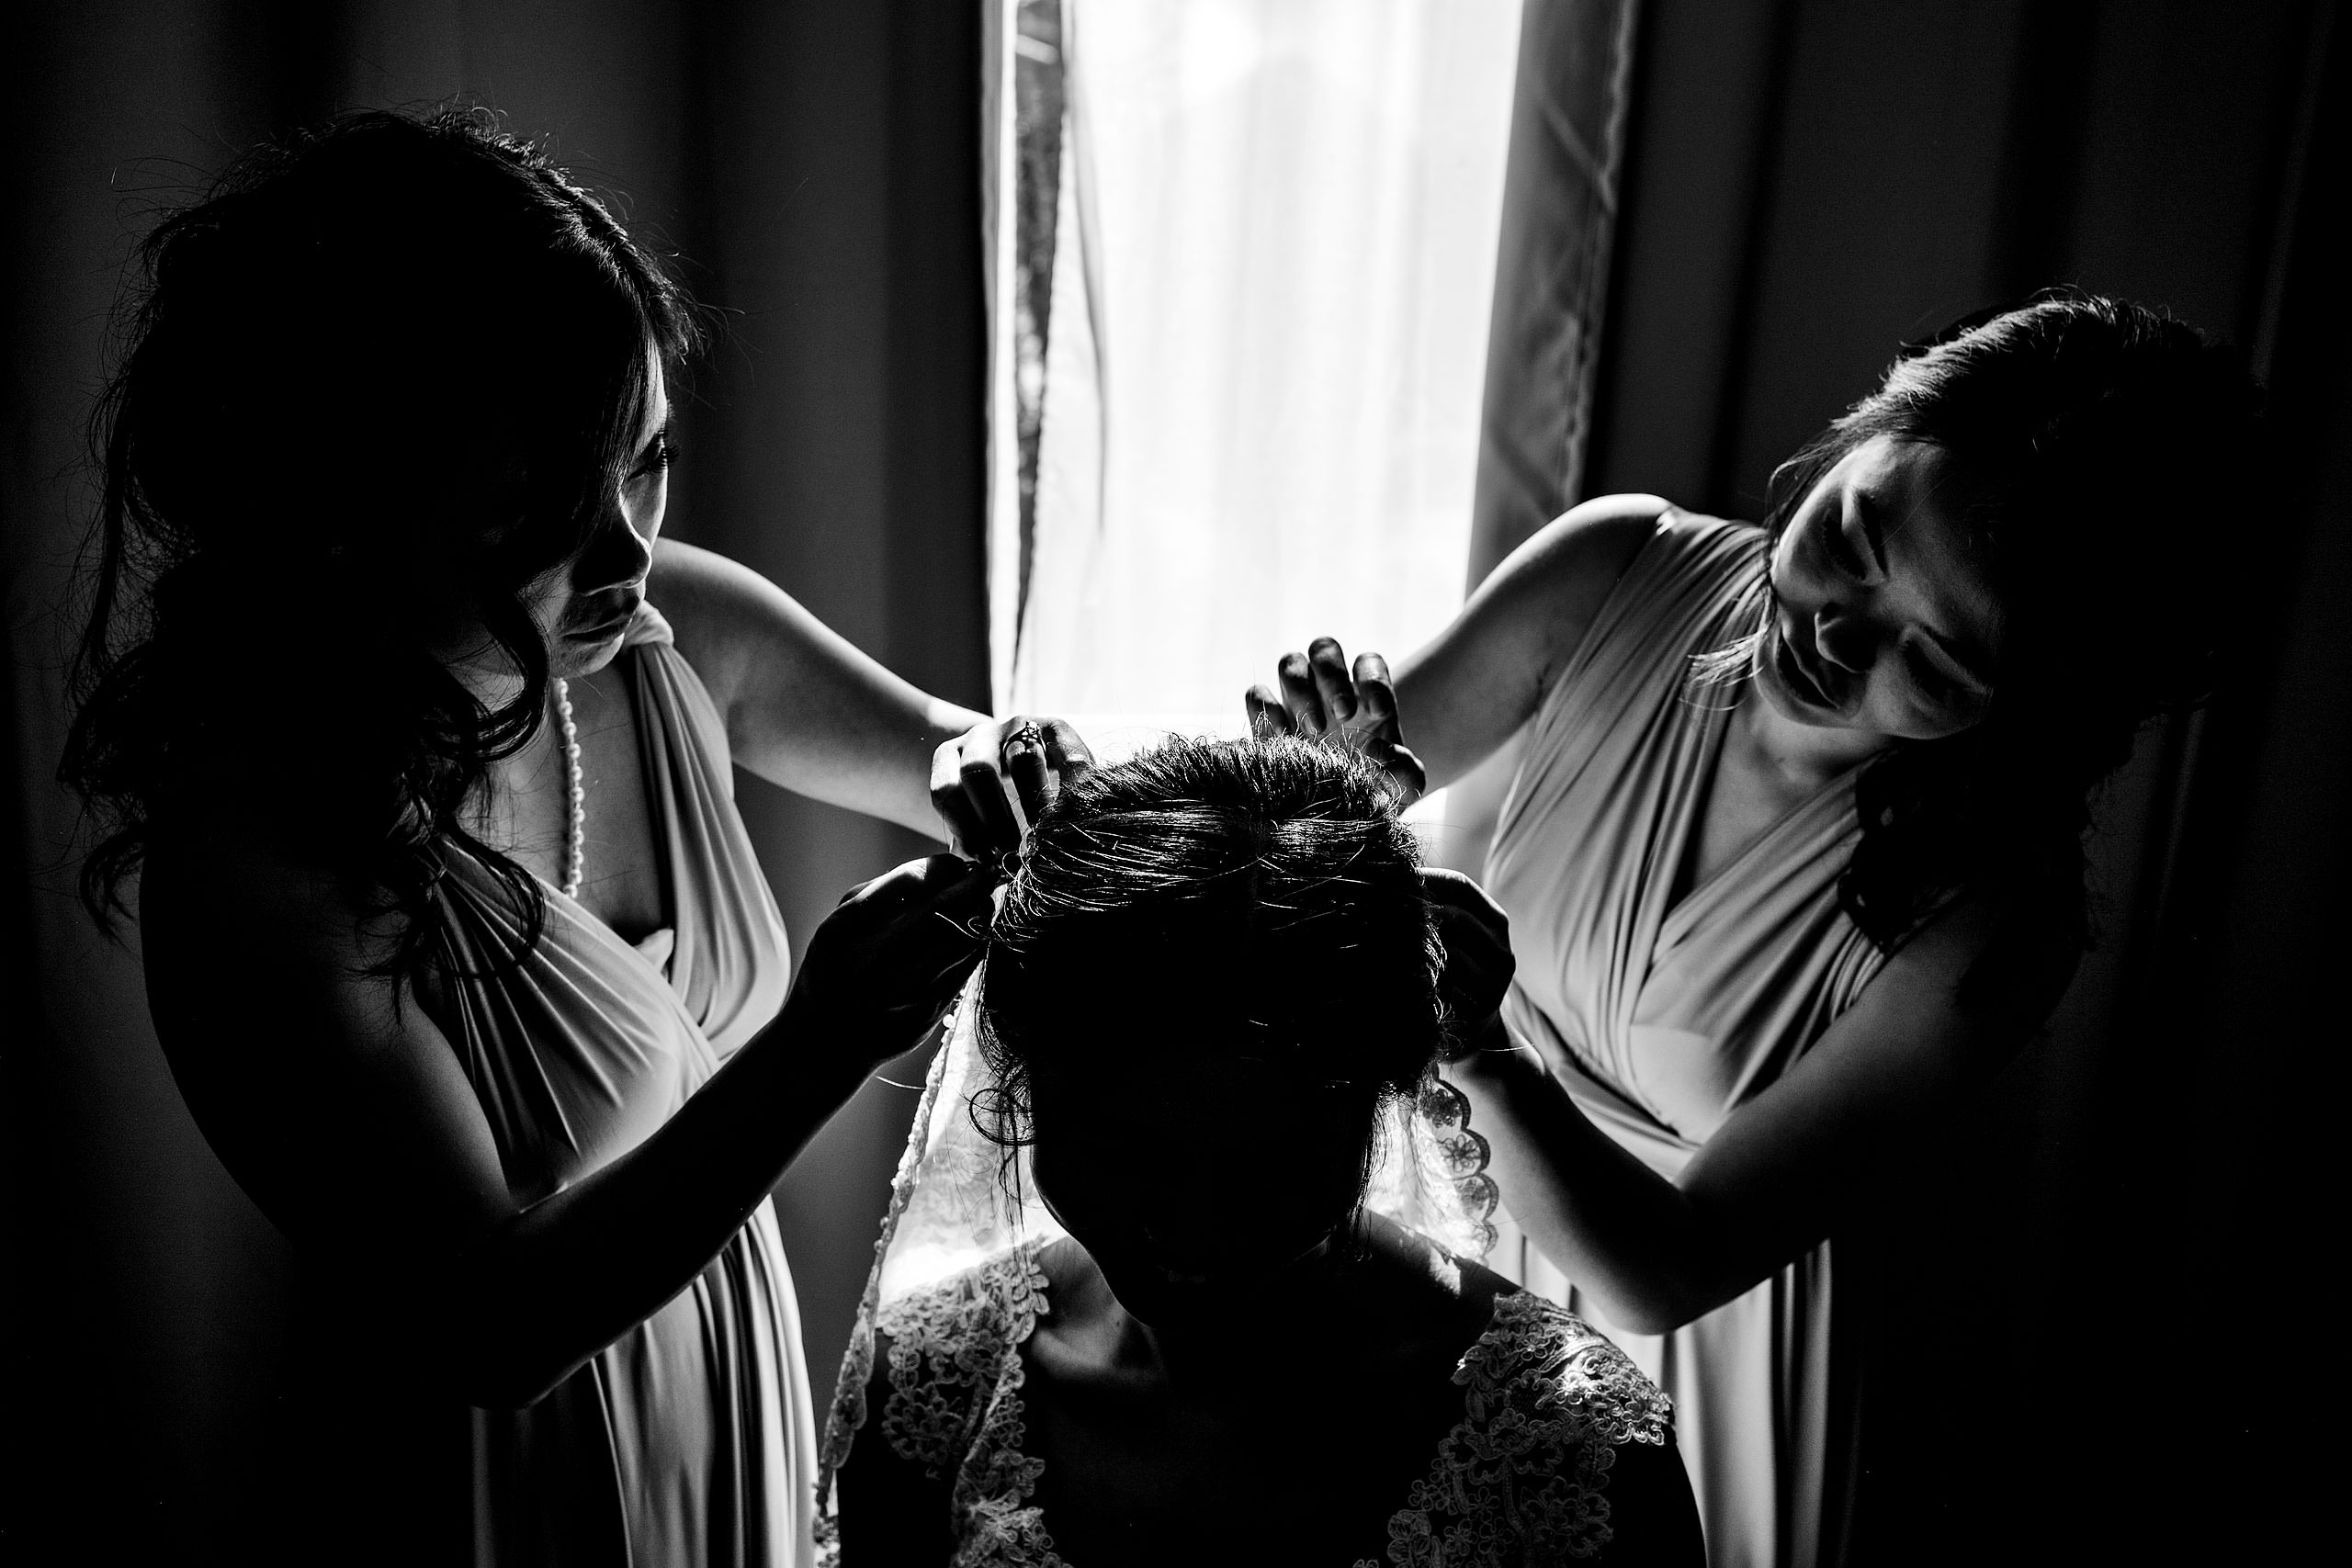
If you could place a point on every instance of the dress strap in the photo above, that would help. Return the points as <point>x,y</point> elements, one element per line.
<point>648,626</point>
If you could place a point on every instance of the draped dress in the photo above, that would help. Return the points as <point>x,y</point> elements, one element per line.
<point>1663,1017</point>
<point>687,1443</point>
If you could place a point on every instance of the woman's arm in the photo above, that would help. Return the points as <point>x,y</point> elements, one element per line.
<point>804,707</point>
<point>345,1113</point>
<point>1657,1253</point>
<point>1475,683</point>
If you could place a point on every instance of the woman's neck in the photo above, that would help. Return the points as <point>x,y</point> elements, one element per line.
<point>1800,757</point>
<point>1214,1354</point>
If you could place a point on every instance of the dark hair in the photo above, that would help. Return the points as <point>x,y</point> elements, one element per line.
<point>385,355</point>
<point>1269,876</point>
<point>2095,439</point>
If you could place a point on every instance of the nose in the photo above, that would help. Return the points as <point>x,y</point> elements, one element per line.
<point>1843,637</point>
<point>615,557</point>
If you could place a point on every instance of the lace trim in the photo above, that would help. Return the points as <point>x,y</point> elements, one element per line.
<point>1520,1478</point>
<point>848,1411</point>
<point>955,1404</point>
<point>1547,1401</point>
<point>1462,1160</point>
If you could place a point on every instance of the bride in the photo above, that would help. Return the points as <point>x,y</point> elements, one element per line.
<point>1229,1333</point>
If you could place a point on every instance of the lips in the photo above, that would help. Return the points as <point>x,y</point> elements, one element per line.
<point>607,626</point>
<point>1798,678</point>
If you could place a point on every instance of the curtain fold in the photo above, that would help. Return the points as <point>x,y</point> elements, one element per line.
<point>1559,218</point>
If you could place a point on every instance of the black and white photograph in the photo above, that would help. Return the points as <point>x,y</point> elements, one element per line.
<point>1108,784</point>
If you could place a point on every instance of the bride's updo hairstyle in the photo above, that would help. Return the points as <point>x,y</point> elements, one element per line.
<point>389,364</point>
<point>2098,445</point>
<point>1227,939</point>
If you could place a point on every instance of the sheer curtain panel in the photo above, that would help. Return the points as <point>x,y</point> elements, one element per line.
<point>1241,274</point>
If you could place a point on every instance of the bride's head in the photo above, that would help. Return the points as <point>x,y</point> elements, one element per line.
<point>1211,972</point>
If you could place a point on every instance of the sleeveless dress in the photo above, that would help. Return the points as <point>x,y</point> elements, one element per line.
<point>1662,1019</point>
<point>685,1443</point>
<point>1522,1479</point>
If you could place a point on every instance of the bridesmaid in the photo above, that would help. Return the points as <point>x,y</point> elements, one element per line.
<point>453,936</point>
<point>1792,859</point>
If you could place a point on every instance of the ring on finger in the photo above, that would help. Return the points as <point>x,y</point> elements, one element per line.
<point>1026,735</point>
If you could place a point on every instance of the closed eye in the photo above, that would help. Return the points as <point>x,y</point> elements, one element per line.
<point>1843,552</point>
<point>658,455</point>
<point>1933,684</point>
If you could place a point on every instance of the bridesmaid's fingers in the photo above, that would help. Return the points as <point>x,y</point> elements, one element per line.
<point>1376,690</point>
<point>1298,693</point>
<point>1033,778</point>
<point>947,797</point>
<point>1378,715</point>
<point>1268,717</point>
<point>1329,664</point>
<point>1067,759</point>
<point>986,793</point>
<point>1403,768</point>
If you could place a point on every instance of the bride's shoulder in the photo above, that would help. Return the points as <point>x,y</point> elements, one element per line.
<point>1537,1350</point>
<point>998,1299</point>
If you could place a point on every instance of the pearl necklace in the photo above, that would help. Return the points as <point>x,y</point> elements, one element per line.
<point>575,799</point>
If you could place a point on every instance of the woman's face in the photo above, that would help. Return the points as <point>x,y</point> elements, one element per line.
<point>1884,619</point>
<point>1188,1187</point>
<point>583,606</point>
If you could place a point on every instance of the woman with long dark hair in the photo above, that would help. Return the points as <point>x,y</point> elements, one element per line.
<point>1236,1326</point>
<point>1792,859</point>
<point>419,742</point>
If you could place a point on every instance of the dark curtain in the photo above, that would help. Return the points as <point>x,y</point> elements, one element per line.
<point>816,166</point>
<point>2099,1317</point>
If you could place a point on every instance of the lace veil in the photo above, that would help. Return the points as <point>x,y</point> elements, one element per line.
<point>960,1200</point>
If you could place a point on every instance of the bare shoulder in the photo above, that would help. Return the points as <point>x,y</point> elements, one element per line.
<point>228,878</point>
<point>1592,543</point>
<point>715,605</point>
<point>1531,613</point>
<point>1975,964</point>
<point>332,1099</point>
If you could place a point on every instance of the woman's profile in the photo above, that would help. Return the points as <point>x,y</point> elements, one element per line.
<point>1211,993</point>
<point>1792,860</point>
<point>418,742</point>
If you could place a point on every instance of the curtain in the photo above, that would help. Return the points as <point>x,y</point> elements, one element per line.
<point>1559,219</point>
<point>1242,267</point>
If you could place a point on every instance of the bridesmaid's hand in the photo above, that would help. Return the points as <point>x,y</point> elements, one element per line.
<point>1476,935</point>
<point>1321,697</point>
<point>990,785</point>
<point>887,962</point>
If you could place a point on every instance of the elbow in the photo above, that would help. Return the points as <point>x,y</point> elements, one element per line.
<point>493,1371</point>
<point>507,1388</point>
<point>512,1377</point>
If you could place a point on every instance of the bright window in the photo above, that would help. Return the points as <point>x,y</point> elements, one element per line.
<point>1254,397</point>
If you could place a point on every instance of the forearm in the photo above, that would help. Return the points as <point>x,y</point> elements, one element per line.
<point>1625,1234</point>
<point>575,1270</point>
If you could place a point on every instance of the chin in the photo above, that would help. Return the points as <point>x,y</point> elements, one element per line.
<point>572,660</point>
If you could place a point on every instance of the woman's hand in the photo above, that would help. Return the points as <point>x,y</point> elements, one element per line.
<point>1321,696</point>
<point>1476,935</point>
<point>887,962</point>
<point>991,783</point>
